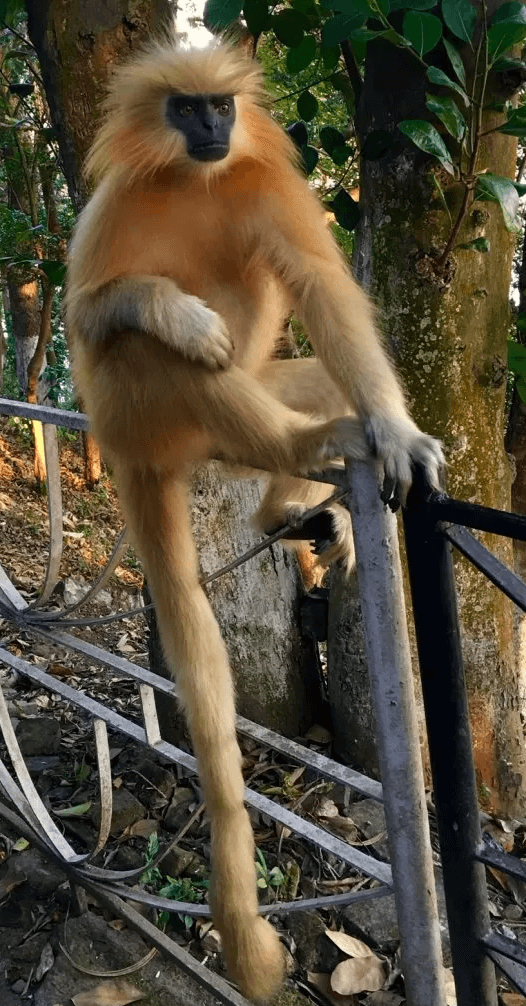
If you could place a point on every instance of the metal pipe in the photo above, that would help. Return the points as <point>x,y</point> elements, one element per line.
<point>449,735</point>
<point>388,655</point>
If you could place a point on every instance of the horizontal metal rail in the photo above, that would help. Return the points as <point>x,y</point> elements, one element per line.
<point>325,840</point>
<point>484,560</point>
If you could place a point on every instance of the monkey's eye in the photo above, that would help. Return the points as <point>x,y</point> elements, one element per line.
<point>186,110</point>
<point>224,108</point>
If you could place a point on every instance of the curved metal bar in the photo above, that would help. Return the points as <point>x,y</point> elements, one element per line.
<point>115,559</point>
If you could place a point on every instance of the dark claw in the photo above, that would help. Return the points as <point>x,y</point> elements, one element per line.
<point>388,489</point>
<point>321,546</point>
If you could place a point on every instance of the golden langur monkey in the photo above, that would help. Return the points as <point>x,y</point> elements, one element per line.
<point>201,234</point>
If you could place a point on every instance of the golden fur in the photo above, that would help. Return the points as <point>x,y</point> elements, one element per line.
<point>180,276</point>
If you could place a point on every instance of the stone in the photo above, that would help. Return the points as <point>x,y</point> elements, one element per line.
<point>177,813</point>
<point>41,876</point>
<point>39,736</point>
<point>179,861</point>
<point>369,817</point>
<point>315,952</point>
<point>127,809</point>
<point>161,780</point>
<point>374,921</point>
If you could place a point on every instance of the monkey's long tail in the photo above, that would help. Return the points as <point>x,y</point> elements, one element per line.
<point>157,510</point>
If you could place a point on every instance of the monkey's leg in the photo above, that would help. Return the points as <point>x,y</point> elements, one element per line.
<point>305,385</point>
<point>157,510</point>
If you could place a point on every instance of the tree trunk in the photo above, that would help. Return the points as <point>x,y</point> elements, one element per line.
<point>77,44</point>
<point>448,335</point>
<point>256,605</point>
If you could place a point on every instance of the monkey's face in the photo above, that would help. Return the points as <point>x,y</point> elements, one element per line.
<point>205,121</point>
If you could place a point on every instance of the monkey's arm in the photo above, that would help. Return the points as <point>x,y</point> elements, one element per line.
<point>156,305</point>
<point>339,320</point>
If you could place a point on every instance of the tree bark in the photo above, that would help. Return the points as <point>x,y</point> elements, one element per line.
<point>77,44</point>
<point>448,335</point>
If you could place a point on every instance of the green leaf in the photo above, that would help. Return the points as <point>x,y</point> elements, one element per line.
<point>520,385</point>
<point>513,12</point>
<point>352,8</point>
<point>77,811</point>
<point>456,62</point>
<point>298,132</point>
<point>302,56</point>
<point>345,209</point>
<point>256,15</point>
<point>310,158</point>
<point>289,26</point>
<point>446,109</point>
<point>514,126</point>
<point>428,139</point>
<point>330,137</point>
<point>341,154</point>
<point>503,37</point>
<point>330,57</point>
<point>497,189</point>
<point>423,31</point>
<point>376,144</point>
<point>520,323</point>
<point>436,76</point>
<point>55,271</point>
<point>516,351</point>
<point>9,11</point>
<point>460,18</point>
<point>339,28</point>
<point>220,13</point>
<point>478,244</point>
<point>307,106</point>
<point>262,882</point>
<point>521,189</point>
<point>508,63</point>
<point>412,4</point>
<point>382,6</point>
<point>20,845</point>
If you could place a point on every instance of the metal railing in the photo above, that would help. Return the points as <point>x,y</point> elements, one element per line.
<point>410,874</point>
<point>434,524</point>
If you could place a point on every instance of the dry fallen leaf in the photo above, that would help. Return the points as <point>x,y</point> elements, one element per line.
<point>118,993</point>
<point>211,942</point>
<point>349,944</point>
<point>322,983</point>
<point>47,960</point>
<point>358,974</point>
<point>512,999</point>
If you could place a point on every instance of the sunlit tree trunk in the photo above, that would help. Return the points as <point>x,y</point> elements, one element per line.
<point>447,331</point>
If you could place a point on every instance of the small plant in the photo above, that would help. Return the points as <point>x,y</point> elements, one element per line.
<point>186,889</point>
<point>267,878</point>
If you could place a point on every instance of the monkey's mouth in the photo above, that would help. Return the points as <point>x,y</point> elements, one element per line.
<point>210,151</point>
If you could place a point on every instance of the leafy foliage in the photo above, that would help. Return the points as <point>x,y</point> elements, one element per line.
<point>431,32</point>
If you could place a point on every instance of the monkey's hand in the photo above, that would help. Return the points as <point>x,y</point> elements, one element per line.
<point>156,305</point>
<point>201,335</point>
<point>401,446</point>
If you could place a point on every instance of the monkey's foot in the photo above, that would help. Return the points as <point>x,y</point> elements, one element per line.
<point>330,531</point>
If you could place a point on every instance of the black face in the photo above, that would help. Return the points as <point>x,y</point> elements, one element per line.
<point>205,120</point>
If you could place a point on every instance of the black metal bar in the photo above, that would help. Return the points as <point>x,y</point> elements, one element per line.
<point>495,570</point>
<point>512,949</point>
<point>514,972</point>
<point>449,735</point>
<point>502,861</point>
<point>482,518</point>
